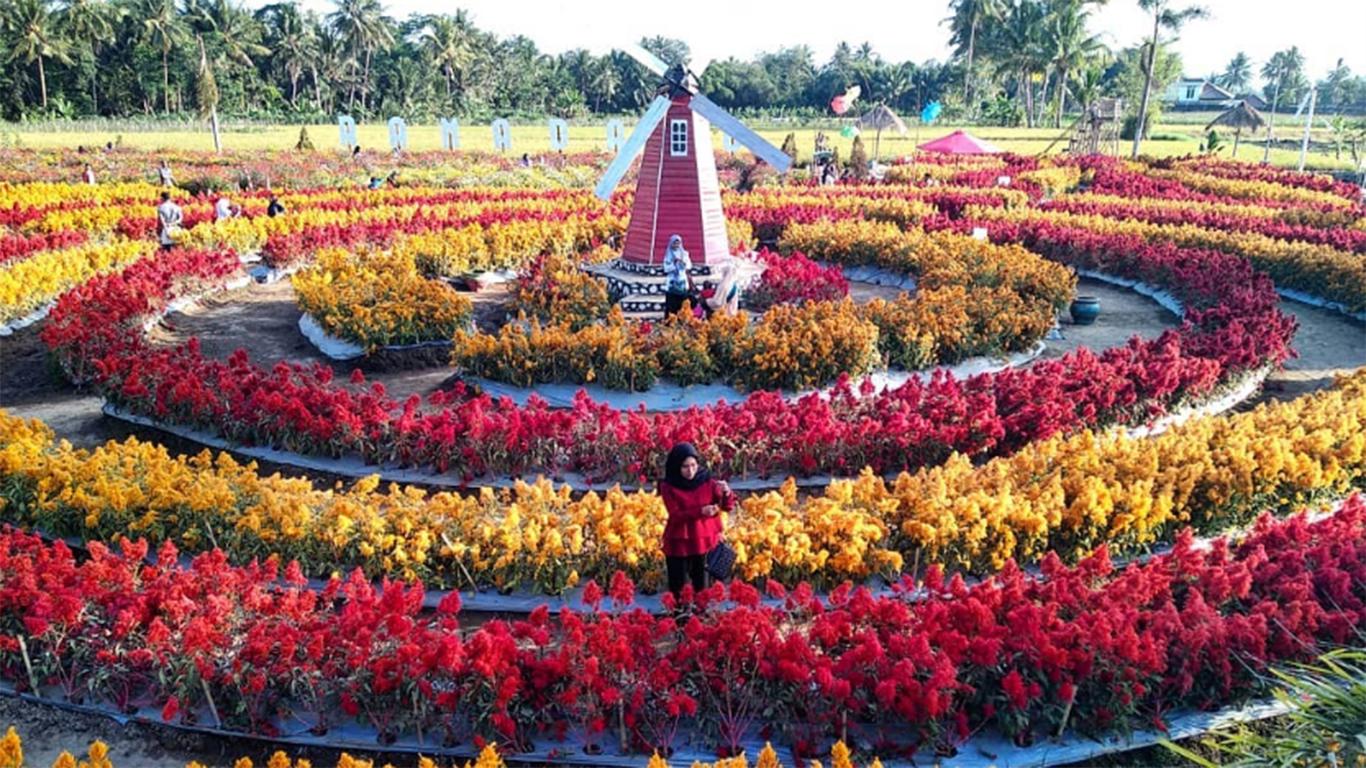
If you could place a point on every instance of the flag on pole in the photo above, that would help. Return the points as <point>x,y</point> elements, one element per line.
<point>841,103</point>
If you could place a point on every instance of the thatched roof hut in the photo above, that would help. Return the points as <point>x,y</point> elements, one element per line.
<point>1241,117</point>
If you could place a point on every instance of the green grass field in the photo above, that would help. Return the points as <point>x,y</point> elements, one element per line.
<point>1175,138</point>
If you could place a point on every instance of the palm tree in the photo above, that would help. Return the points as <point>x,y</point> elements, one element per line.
<point>1238,74</point>
<point>34,37</point>
<point>362,25</point>
<point>967,16</point>
<point>1168,18</point>
<point>231,28</point>
<point>1069,45</point>
<point>605,82</point>
<point>1017,47</point>
<point>1280,67</point>
<point>90,22</point>
<point>292,42</point>
<point>163,28</point>
<point>334,65</point>
<point>446,42</point>
<point>1335,87</point>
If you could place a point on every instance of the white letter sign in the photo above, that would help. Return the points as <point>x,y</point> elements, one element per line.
<point>398,133</point>
<point>616,135</point>
<point>346,126</point>
<point>450,133</point>
<point>502,135</point>
<point>559,134</point>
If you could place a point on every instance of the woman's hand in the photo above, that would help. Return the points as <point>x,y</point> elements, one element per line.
<point>711,510</point>
<point>723,487</point>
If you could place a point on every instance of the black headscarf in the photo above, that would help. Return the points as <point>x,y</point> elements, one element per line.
<point>673,468</point>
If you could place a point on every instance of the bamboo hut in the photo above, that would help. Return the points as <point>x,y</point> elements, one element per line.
<point>1241,116</point>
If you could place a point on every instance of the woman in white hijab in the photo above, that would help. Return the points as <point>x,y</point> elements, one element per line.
<point>676,265</point>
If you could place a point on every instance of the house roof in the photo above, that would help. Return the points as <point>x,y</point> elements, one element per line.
<point>1209,91</point>
<point>1212,92</point>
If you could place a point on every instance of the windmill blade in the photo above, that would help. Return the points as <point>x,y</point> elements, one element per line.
<point>658,109</point>
<point>646,59</point>
<point>737,130</point>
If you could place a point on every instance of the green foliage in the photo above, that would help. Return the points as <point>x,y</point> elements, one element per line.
<point>1326,724</point>
<point>304,144</point>
<point>790,146</point>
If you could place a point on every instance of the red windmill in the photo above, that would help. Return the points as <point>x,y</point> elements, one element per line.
<point>677,192</point>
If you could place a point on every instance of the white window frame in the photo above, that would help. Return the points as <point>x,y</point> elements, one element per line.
<point>678,138</point>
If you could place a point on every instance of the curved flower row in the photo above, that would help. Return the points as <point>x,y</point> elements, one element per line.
<point>1319,270</point>
<point>330,168</point>
<point>1210,166</point>
<point>1234,327</point>
<point>973,299</point>
<point>1065,494</point>
<point>1281,224</point>
<point>29,284</point>
<point>378,300</point>
<point>1088,648</point>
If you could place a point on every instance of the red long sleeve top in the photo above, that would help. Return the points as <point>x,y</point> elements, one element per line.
<point>688,531</point>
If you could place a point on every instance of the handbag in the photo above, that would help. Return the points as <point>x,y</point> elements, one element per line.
<point>721,561</point>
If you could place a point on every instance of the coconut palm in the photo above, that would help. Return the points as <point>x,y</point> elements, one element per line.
<point>967,16</point>
<point>1238,74</point>
<point>361,23</point>
<point>34,37</point>
<point>232,30</point>
<point>1069,46</point>
<point>1283,66</point>
<point>292,42</point>
<point>446,42</point>
<point>1164,18</point>
<point>1016,45</point>
<point>90,23</point>
<point>162,28</point>
<point>605,83</point>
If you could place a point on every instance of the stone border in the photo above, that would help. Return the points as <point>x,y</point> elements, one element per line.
<point>668,396</point>
<point>342,349</point>
<point>987,750</point>
<point>1314,301</point>
<point>27,320</point>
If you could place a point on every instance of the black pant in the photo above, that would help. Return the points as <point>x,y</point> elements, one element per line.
<point>673,302</point>
<point>681,570</point>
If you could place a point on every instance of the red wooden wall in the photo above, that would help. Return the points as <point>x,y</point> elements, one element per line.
<point>677,195</point>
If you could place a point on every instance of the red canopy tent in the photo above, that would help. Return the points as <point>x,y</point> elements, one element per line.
<point>960,143</point>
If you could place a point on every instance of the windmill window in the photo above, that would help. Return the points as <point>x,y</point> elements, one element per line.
<point>1190,92</point>
<point>678,138</point>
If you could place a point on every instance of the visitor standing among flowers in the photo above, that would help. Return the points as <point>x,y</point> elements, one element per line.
<point>676,266</point>
<point>169,219</point>
<point>694,501</point>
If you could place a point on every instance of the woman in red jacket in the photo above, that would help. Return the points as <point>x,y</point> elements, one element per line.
<point>694,501</point>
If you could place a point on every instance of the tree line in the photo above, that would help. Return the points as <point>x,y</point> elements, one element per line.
<point>1015,62</point>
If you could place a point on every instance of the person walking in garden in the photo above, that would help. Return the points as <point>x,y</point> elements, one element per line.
<point>694,501</point>
<point>169,219</point>
<point>164,174</point>
<point>274,207</point>
<point>88,176</point>
<point>224,209</point>
<point>676,265</point>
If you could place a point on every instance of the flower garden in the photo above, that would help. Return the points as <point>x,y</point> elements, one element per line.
<point>1066,548</point>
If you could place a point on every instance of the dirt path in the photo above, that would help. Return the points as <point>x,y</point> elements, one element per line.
<point>1328,345</point>
<point>48,731</point>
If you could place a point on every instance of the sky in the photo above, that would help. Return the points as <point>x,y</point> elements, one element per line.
<point>902,29</point>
